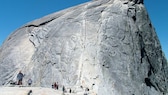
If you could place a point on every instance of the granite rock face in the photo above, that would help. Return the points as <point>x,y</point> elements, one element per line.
<point>108,46</point>
<point>28,91</point>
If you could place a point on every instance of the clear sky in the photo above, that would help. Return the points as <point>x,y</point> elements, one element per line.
<point>15,13</point>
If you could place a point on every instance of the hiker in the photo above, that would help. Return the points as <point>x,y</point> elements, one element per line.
<point>29,82</point>
<point>29,93</point>
<point>20,77</point>
<point>86,91</point>
<point>70,90</point>
<point>55,86</point>
<point>63,89</point>
<point>52,86</point>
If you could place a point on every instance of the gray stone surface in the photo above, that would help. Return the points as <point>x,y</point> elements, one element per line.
<point>108,46</point>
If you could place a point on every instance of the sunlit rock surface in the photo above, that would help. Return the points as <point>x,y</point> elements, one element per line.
<point>28,91</point>
<point>108,46</point>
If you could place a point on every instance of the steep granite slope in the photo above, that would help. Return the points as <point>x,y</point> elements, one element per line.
<point>108,46</point>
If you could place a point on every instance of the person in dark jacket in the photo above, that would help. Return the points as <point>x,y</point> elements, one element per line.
<point>20,78</point>
<point>63,89</point>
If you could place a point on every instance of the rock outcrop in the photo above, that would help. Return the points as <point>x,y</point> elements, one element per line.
<point>107,46</point>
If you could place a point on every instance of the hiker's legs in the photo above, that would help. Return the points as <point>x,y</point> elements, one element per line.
<point>20,82</point>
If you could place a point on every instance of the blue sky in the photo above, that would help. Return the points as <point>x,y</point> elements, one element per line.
<point>15,13</point>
